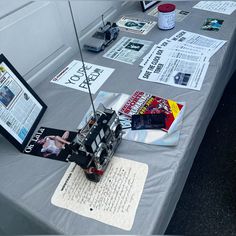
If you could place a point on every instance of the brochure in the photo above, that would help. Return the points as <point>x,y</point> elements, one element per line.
<point>50,143</point>
<point>143,103</point>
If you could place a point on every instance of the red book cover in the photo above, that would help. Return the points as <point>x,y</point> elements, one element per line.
<point>143,103</point>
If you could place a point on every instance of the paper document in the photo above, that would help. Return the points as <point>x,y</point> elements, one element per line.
<point>134,25</point>
<point>180,61</point>
<point>128,50</point>
<point>174,71</point>
<point>114,200</point>
<point>224,7</point>
<point>212,45</point>
<point>73,76</point>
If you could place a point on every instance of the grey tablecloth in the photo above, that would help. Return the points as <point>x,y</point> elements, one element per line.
<point>27,183</point>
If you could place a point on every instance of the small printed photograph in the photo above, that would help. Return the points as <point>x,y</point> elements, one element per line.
<point>134,25</point>
<point>184,12</point>
<point>6,96</point>
<point>23,133</point>
<point>212,24</point>
<point>50,143</point>
<point>182,78</point>
<point>134,46</point>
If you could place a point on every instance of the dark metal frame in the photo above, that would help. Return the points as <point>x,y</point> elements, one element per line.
<point>3,131</point>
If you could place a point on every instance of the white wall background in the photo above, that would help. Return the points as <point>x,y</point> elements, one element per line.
<point>38,36</point>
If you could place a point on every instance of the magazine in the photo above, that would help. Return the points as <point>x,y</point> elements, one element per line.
<point>50,143</point>
<point>143,103</point>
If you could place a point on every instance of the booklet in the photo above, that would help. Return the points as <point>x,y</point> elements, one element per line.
<point>144,103</point>
<point>50,143</point>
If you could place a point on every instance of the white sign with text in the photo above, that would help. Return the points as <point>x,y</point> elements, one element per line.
<point>73,76</point>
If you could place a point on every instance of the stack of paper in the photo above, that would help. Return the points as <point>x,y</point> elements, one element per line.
<point>223,7</point>
<point>180,61</point>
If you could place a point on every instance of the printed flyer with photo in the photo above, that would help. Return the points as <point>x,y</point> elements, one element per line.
<point>128,50</point>
<point>134,25</point>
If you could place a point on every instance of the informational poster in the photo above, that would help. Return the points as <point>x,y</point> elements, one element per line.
<point>113,200</point>
<point>18,107</point>
<point>171,69</point>
<point>223,7</point>
<point>128,50</point>
<point>134,25</point>
<point>73,76</point>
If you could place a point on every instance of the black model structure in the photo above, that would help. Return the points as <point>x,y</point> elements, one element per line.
<point>95,144</point>
<point>102,37</point>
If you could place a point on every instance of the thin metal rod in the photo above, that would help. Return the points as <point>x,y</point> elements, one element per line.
<point>82,59</point>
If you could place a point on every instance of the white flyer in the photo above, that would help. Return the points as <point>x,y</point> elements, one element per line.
<point>224,7</point>
<point>177,45</point>
<point>174,71</point>
<point>73,76</point>
<point>134,25</point>
<point>128,50</point>
<point>211,45</point>
<point>167,44</point>
<point>113,200</point>
<point>184,53</point>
